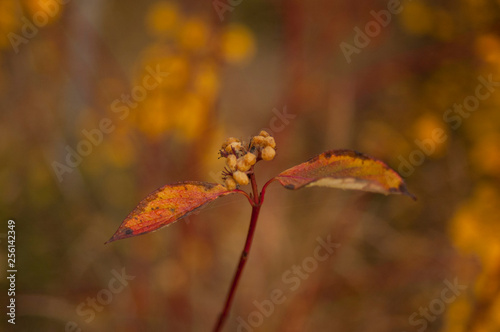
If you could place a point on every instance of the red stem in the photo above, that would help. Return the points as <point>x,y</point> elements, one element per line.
<point>247,196</point>
<point>257,201</point>
<point>263,192</point>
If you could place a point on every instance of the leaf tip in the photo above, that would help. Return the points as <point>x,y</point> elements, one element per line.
<point>121,233</point>
<point>403,190</point>
<point>412,196</point>
<point>112,239</point>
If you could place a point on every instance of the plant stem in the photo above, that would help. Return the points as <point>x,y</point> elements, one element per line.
<point>244,255</point>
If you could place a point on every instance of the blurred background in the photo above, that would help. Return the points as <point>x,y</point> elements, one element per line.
<point>102,102</point>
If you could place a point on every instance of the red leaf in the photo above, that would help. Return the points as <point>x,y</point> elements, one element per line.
<point>344,169</point>
<point>167,205</point>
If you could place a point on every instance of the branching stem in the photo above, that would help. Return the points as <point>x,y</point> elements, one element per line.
<point>257,201</point>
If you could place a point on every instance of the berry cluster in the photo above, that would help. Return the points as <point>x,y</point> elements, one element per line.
<point>240,158</point>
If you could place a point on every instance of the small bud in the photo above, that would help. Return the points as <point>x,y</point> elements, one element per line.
<point>250,158</point>
<point>230,184</point>
<point>231,162</point>
<point>268,153</point>
<point>264,133</point>
<point>240,178</point>
<point>270,142</point>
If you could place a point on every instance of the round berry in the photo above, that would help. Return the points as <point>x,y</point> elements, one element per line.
<point>264,133</point>
<point>242,165</point>
<point>250,158</point>
<point>240,178</point>
<point>270,142</point>
<point>259,141</point>
<point>231,162</point>
<point>230,184</point>
<point>268,153</point>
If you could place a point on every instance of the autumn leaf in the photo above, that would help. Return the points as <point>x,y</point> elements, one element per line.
<point>167,205</point>
<point>344,169</point>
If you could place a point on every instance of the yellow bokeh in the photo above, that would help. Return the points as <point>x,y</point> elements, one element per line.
<point>152,117</point>
<point>9,21</point>
<point>485,155</point>
<point>188,50</point>
<point>237,43</point>
<point>417,18</point>
<point>425,128</point>
<point>488,48</point>
<point>476,221</point>
<point>163,18</point>
<point>179,70</point>
<point>456,315</point>
<point>206,81</point>
<point>189,117</point>
<point>194,34</point>
<point>177,66</point>
<point>474,230</point>
<point>44,10</point>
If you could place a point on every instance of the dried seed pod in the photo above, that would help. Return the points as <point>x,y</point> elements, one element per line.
<point>230,183</point>
<point>264,133</point>
<point>242,165</point>
<point>258,141</point>
<point>236,146</point>
<point>240,178</point>
<point>250,158</point>
<point>229,141</point>
<point>231,162</point>
<point>270,142</point>
<point>268,153</point>
<point>232,140</point>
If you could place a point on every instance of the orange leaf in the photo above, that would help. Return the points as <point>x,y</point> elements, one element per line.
<point>167,205</point>
<point>344,169</point>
